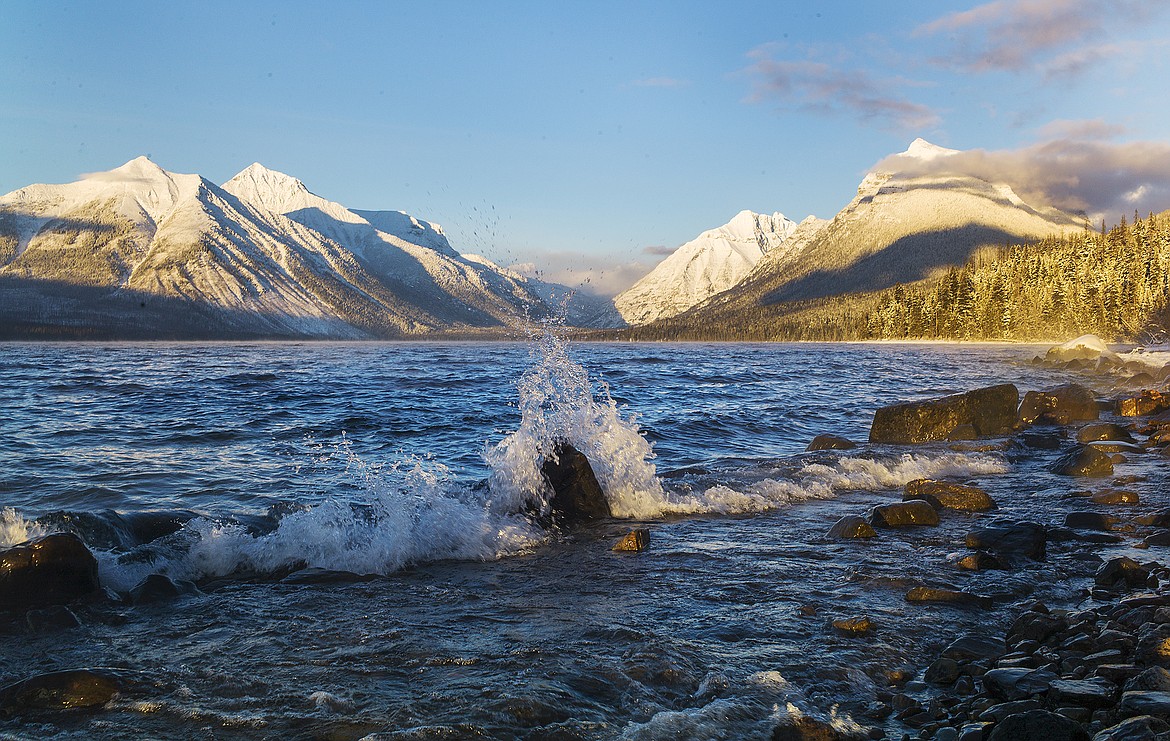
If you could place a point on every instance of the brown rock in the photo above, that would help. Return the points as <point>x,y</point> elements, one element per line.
<point>76,688</point>
<point>1144,404</point>
<point>54,569</point>
<point>946,596</point>
<point>634,541</point>
<point>1103,431</point>
<point>1060,406</point>
<point>904,514</point>
<point>991,411</point>
<point>854,626</point>
<point>830,442</point>
<point>1082,460</point>
<point>980,561</point>
<point>943,495</point>
<point>1115,496</point>
<point>852,526</point>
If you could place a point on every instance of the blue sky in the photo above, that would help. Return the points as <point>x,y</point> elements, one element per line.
<point>587,138</point>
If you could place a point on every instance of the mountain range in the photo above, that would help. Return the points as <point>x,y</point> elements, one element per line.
<point>140,252</point>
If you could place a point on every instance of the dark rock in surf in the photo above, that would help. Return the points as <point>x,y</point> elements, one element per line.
<point>75,688</point>
<point>904,514</point>
<point>830,442</point>
<point>1010,538</point>
<point>160,588</point>
<point>1059,406</point>
<point>577,496</point>
<point>805,728</point>
<point>1037,725</point>
<point>1083,460</point>
<point>51,619</point>
<point>1090,521</point>
<point>980,561</point>
<point>1103,431</point>
<point>942,495</point>
<point>990,411</point>
<point>1122,570</point>
<point>854,626</point>
<point>852,526</point>
<point>946,596</point>
<point>55,569</point>
<point>635,541</point>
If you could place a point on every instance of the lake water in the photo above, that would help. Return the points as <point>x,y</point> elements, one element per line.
<point>408,464</point>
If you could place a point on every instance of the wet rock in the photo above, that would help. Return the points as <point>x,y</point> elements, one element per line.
<point>54,569</point>
<point>963,432</point>
<point>1083,460</point>
<point>160,588</point>
<point>1153,647</point>
<point>991,411</point>
<point>1120,674</point>
<point>904,514</point>
<point>635,541</point>
<point>75,688</point>
<point>1085,347</point>
<point>1034,626</point>
<point>1153,679</point>
<point>1159,539</point>
<point>51,619</point>
<point>577,496</point>
<point>980,561</point>
<point>998,712</point>
<point>946,596</point>
<point>1122,570</point>
<point>1144,404</point>
<point>1145,703</point>
<point>1004,537</point>
<point>805,728</point>
<point>1103,431</point>
<point>1017,683</point>
<point>854,626</point>
<point>830,442</point>
<point>1059,406</point>
<point>1087,693</point>
<point>852,526</point>
<point>1115,496</point>
<point>974,648</point>
<point>1116,446</point>
<point>1141,728</point>
<point>942,671</point>
<point>973,731</point>
<point>1090,521</point>
<point>1037,725</point>
<point>943,495</point>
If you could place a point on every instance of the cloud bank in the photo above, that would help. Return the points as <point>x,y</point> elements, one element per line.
<point>1100,178</point>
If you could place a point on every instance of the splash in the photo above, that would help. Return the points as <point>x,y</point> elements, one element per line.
<point>558,401</point>
<point>15,529</point>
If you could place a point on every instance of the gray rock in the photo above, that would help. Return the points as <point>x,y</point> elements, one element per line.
<point>942,671</point>
<point>1090,521</point>
<point>1037,725</point>
<point>1122,570</point>
<point>1141,728</point>
<point>1006,537</point>
<point>1153,679</point>
<point>1145,703</point>
<point>996,713</point>
<point>1017,684</point>
<point>973,648</point>
<point>1088,693</point>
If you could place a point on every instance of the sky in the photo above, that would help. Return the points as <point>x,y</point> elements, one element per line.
<point>585,140</point>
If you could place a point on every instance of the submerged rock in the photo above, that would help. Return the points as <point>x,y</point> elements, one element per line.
<point>946,596</point>
<point>74,688</point>
<point>904,514</point>
<point>980,561</point>
<point>852,526</point>
<point>1059,406</point>
<point>577,496</point>
<point>1010,538</point>
<point>160,588</point>
<point>51,619</point>
<point>943,495</point>
<point>1083,460</point>
<point>854,626</point>
<point>54,569</point>
<point>990,411</point>
<point>830,442</point>
<point>635,541</point>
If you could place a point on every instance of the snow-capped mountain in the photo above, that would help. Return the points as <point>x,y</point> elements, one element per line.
<point>139,251</point>
<point>913,217</point>
<point>712,262</point>
<point>577,307</point>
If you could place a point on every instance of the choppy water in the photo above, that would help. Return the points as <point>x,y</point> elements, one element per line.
<point>408,464</point>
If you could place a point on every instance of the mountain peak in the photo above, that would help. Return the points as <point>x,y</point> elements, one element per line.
<point>924,150</point>
<point>270,188</point>
<point>139,168</point>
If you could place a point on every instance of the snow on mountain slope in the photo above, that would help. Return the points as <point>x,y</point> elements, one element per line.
<point>577,307</point>
<point>138,251</point>
<point>713,262</point>
<point>900,227</point>
<point>425,271</point>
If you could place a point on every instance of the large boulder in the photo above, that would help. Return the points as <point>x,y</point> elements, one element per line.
<point>990,411</point>
<point>904,514</point>
<point>577,496</point>
<point>1010,538</point>
<point>51,570</point>
<point>943,495</point>
<point>1083,460</point>
<point>1059,406</point>
<point>74,688</point>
